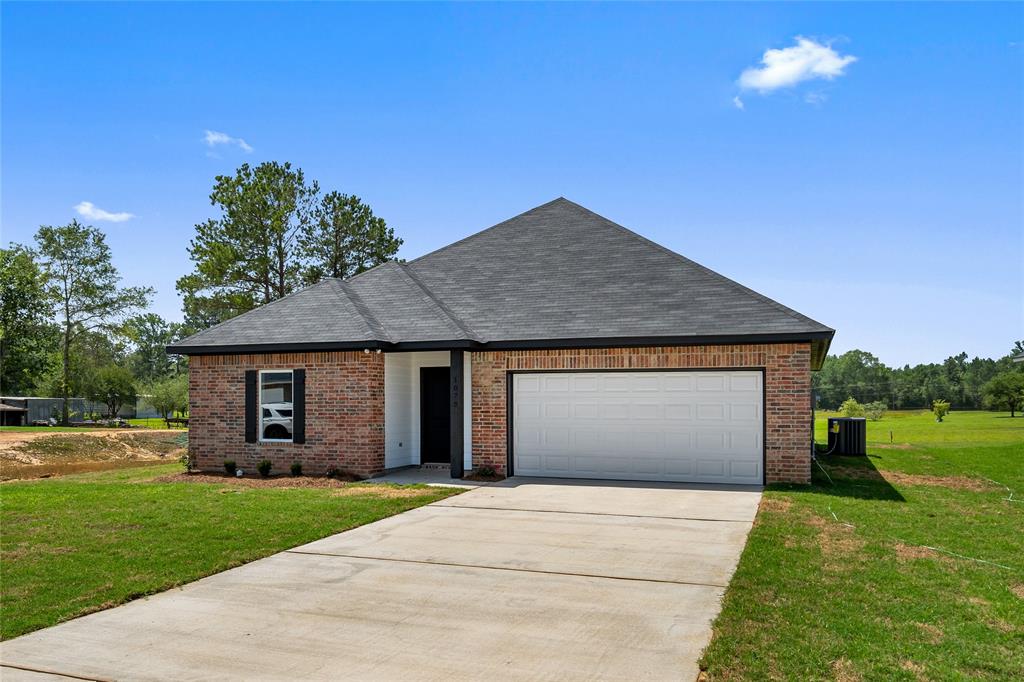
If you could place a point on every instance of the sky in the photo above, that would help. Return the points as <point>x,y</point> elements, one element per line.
<point>860,163</point>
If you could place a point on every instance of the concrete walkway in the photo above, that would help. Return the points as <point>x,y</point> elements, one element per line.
<point>524,579</point>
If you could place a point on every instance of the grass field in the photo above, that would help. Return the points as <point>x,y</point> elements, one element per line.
<point>80,543</point>
<point>909,564</point>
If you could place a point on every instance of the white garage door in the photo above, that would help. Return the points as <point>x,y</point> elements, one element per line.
<point>704,427</point>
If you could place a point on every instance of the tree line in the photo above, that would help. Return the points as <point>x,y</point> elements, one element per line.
<point>68,328</point>
<point>977,383</point>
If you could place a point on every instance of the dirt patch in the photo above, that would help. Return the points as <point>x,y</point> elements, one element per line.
<point>1018,590</point>
<point>932,633</point>
<point>843,671</point>
<point>977,485</point>
<point>386,492</point>
<point>905,553</point>
<point>893,446</point>
<point>901,478</point>
<point>41,455</point>
<point>247,482</point>
<point>775,504</point>
<point>916,669</point>
<point>836,540</point>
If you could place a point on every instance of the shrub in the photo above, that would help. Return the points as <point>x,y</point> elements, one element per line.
<point>229,467</point>
<point>296,468</point>
<point>187,462</point>
<point>486,472</point>
<point>264,467</point>
<point>851,408</point>
<point>940,408</point>
<point>875,410</point>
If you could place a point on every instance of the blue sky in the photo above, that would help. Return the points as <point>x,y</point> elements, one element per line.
<point>881,196</point>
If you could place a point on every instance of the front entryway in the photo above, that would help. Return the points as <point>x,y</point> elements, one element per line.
<point>435,415</point>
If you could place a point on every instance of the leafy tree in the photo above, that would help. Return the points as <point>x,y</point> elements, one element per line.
<point>249,256</point>
<point>345,238</point>
<point>940,408</point>
<point>856,374</point>
<point>113,386</point>
<point>1006,391</point>
<point>27,338</point>
<point>83,283</point>
<point>851,408</point>
<point>150,335</point>
<point>168,396</point>
<point>875,410</point>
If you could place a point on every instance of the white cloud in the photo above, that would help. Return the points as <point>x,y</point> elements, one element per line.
<point>738,103</point>
<point>214,138</point>
<point>786,67</point>
<point>89,210</point>
<point>815,97</point>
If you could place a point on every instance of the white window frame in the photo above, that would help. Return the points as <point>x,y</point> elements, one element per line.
<point>259,405</point>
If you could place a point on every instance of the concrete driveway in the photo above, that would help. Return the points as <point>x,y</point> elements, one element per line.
<point>525,579</point>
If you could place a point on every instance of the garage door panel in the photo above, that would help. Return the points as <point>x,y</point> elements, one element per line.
<point>676,426</point>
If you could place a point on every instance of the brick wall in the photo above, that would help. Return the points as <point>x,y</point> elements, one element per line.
<point>787,393</point>
<point>344,412</point>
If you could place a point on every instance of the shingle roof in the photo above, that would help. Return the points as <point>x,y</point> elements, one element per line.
<point>557,273</point>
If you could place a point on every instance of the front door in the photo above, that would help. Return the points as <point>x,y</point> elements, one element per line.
<point>435,420</point>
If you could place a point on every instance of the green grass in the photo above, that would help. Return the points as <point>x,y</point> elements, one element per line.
<point>836,581</point>
<point>77,544</point>
<point>151,423</point>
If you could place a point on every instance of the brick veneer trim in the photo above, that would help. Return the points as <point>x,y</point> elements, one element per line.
<point>344,412</point>
<point>787,392</point>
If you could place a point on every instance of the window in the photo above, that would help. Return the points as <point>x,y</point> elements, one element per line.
<point>276,406</point>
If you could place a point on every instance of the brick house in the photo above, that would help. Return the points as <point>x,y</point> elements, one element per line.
<point>556,344</point>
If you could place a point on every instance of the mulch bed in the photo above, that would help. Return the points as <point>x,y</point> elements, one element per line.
<point>253,482</point>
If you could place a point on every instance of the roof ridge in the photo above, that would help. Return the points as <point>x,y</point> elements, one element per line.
<point>449,315</point>
<point>703,268</point>
<point>487,229</point>
<point>373,325</point>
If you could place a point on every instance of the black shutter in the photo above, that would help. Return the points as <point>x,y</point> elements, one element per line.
<point>299,406</point>
<point>251,406</point>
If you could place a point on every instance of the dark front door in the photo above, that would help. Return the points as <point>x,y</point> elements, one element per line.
<point>435,421</point>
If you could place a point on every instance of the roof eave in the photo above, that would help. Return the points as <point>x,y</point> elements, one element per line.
<point>819,341</point>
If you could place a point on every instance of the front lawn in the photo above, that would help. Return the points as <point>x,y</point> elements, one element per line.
<point>909,564</point>
<point>81,543</point>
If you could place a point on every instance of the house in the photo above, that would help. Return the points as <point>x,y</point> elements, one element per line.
<point>556,343</point>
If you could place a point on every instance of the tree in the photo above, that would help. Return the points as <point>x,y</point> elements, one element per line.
<point>150,335</point>
<point>1006,391</point>
<point>345,238</point>
<point>168,396</point>
<point>249,256</point>
<point>114,386</point>
<point>851,408</point>
<point>940,408</point>
<point>856,374</point>
<point>83,283</point>
<point>27,337</point>
<point>875,410</point>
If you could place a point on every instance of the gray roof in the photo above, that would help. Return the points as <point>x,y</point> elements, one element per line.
<point>557,275</point>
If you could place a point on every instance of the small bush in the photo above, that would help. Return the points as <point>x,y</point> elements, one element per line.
<point>264,467</point>
<point>187,462</point>
<point>875,410</point>
<point>940,408</point>
<point>486,472</point>
<point>851,408</point>
<point>229,467</point>
<point>296,468</point>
